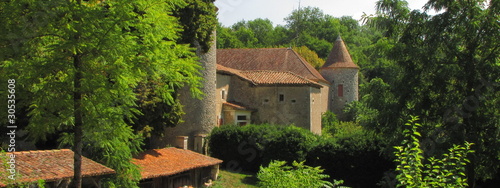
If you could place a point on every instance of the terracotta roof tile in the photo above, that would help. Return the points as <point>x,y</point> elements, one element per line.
<point>51,165</point>
<point>226,70</point>
<point>339,56</point>
<point>236,105</point>
<point>170,161</point>
<point>273,59</point>
<point>266,77</point>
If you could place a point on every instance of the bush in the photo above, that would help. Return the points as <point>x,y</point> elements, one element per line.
<point>289,144</point>
<point>446,172</point>
<point>248,147</point>
<point>350,152</point>
<point>278,175</point>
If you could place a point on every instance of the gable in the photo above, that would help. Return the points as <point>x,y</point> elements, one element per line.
<point>269,59</point>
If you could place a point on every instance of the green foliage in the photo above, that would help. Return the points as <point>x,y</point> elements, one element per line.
<point>351,153</point>
<point>449,65</point>
<point>102,51</point>
<point>278,174</point>
<point>198,20</point>
<point>251,146</point>
<point>310,56</point>
<point>289,144</point>
<point>415,172</point>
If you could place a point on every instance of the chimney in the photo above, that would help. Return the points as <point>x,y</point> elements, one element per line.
<point>199,143</point>
<point>182,142</point>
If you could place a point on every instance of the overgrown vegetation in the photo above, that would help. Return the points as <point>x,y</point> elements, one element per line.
<point>280,175</point>
<point>443,68</point>
<point>352,156</point>
<point>415,170</point>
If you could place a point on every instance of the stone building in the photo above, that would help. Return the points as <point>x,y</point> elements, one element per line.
<point>270,85</point>
<point>267,85</point>
<point>342,73</point>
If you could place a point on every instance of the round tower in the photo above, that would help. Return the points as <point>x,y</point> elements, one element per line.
<point>200,114</point>
<point>342,73</point>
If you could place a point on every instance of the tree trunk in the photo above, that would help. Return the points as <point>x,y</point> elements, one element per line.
<point>78,130</point>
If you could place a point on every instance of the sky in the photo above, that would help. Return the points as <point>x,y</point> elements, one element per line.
<point>232,11</point>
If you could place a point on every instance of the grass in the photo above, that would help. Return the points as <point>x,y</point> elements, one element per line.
<point>233,179</point>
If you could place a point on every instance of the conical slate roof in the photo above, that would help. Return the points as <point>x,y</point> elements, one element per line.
<point>339,56</point>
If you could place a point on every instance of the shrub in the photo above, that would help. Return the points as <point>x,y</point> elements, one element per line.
<point>446,172</point>
<point>289,144</point>
<point>350,152</point>
<point>278,175</point>
<point>248,147</point>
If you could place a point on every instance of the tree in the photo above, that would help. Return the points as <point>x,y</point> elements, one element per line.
<point>310,56</point>
<point>81,62</point>
<point>450,65</point>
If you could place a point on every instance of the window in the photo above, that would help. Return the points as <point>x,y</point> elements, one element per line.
<point>281,97</point>
<point>241,118</point>
<point>293,101</point>
<point>340,90</point>
<point>223,94</point>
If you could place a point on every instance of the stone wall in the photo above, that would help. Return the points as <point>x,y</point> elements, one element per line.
<point>201,116</point>
<point>348,78</point>
<point>295,108</point>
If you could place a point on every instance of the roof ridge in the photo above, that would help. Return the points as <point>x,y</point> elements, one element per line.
<point>304,62</point>
<point>39,151</point>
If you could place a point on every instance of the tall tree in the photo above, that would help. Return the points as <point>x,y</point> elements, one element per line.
<point>450,63</point>
<point>81,61</point>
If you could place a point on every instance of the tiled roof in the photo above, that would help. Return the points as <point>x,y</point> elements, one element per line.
<point>273,59</point>
<point>266,77</point>
<point>170,161</point>
<point>50,165</point>
<point>226,70</point>
<point>339,56</point>
<point>236,105</point>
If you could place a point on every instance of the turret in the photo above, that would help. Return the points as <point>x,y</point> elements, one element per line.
<point>342,73</point>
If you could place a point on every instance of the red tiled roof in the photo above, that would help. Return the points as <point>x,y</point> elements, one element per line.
<point>236,105</point>
<point>275,77</point>
<point>50,165</point>
<point>170,161</point>
<point>339,56</point>
<point>226,70</point>
<point>268,77</point>
<point>273,59</point>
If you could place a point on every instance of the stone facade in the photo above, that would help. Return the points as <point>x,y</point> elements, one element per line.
<point>200,114</point>
<point>342,73</point>
<point>300,105</point>
<point>343,89</point>
<point>274,86</point>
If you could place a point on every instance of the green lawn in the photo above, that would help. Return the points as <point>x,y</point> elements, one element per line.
<point>231,179</point>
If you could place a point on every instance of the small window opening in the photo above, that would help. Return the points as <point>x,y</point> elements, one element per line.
<point>340,90</point>
<point>293,101</point>
<point>242,117</point>
<point>281,97</point>
<point>223,93</point>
